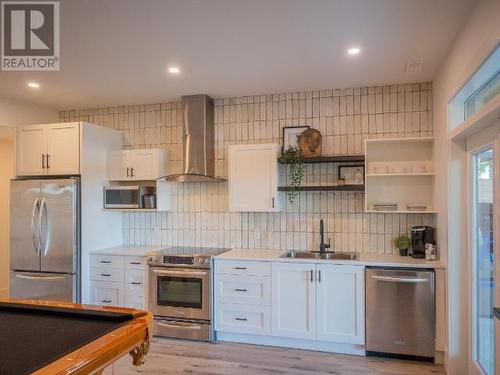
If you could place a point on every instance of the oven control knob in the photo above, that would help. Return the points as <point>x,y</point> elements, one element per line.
<point>207,261</point>
<point>152,259</point>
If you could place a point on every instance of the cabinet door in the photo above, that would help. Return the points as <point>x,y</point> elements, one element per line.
<point>144,164</point>
<point>63,149</point>
<point>341,303</point>
<point>293,301</point>
<point>107,293</point>
<point>253,177</point>
<point>118,166</point>
<point>31,146</point>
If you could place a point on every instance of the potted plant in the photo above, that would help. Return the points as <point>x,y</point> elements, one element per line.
<point>402,242</point>
<point>292,158</point>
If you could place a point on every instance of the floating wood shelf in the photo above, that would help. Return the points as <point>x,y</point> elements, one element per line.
<point>326,188</point>
<point>332,159</point>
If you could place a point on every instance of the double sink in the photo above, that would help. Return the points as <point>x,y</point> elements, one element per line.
<point>326,255</point>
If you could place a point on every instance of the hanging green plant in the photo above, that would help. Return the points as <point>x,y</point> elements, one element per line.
<point>291,157</point>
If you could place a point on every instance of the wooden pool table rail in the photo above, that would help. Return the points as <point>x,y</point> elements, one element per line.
<point>132,337</point>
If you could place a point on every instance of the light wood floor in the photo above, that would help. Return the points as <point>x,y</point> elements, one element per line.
<point>190,357</point>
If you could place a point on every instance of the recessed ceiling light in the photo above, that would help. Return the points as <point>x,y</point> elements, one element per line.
<point>33,85</point>
<point>353,51</point>
<point>174,70</point>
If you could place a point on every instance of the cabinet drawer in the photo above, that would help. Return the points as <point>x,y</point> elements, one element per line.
<point>107,274</point>
<point>236,267</point>
<point>243,319</point>
<point>250,290</point>
<point>135,263</point>
<point>106,293</point>
<point>109,261</point>
<point>135,302</point>
<point>135,283</point>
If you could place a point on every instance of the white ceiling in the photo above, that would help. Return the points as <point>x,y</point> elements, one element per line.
<point>117,51</point>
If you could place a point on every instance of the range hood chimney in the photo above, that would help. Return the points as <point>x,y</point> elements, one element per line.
<point>198,141</point>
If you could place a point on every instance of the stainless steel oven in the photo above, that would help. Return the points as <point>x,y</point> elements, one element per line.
<point>180,292</point>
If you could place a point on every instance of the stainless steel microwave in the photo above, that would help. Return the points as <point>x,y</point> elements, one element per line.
<point>124,196</point>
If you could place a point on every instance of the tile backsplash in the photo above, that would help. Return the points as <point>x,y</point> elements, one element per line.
<point>345,118</point>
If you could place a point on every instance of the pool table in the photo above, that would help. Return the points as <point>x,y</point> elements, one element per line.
<point>44,337</point>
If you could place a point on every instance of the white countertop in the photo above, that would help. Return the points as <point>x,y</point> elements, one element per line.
<point>365,259</point>
<point>135,251</point>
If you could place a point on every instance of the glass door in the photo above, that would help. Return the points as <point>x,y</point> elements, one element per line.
<point>483,254</point>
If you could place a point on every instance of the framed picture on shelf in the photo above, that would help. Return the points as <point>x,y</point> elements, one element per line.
<point>291,135</point>
<point>352,174</point>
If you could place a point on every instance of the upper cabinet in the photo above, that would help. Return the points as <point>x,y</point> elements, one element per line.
<point>400,175</point>
<point>253,178</point>
<point>137,164</point>
<point>48,149</point>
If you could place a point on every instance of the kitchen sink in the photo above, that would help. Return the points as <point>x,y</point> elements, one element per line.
<point>327,255</point>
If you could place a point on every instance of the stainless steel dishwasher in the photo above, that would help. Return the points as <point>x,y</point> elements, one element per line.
<point>400,312</point>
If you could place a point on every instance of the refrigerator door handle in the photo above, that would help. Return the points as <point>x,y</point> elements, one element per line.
<point>46,278</point>
<point>44,230</point>
<point>34,237</point>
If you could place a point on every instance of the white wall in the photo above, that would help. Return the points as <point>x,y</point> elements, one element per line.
<point>6,173</point>
<point>478,38</point>
<point>13,113</point>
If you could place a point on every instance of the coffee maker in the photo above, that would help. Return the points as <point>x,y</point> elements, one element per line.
<point>420,235</point>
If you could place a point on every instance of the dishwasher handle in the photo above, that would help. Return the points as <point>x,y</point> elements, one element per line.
<point>411,280</point>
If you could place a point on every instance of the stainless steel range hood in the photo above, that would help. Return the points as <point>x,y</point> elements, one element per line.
<point>198,141</point>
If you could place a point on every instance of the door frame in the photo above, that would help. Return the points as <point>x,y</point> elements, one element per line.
<point>477,142</point>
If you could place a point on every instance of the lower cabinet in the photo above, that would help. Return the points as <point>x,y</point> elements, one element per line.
<point>293,300</point>
<point>317,303</point>
<point>340,304</point>
<point>119,280</point>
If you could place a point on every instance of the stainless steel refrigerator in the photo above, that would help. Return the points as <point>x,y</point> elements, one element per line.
<point>45,239</point>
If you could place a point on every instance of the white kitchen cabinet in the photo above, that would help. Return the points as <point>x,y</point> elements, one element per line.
<point>31,147</point>
<point>239,318</point>
<point>107,293</point>
<point>243,290</point>
<point>253,178</point>
<point>293,303</point>
<point>118,168</point>
<point>63,149</point>
<point>119,280</point>
<point>340,303</point>
<point>48,149</point>
<point>137,165</point>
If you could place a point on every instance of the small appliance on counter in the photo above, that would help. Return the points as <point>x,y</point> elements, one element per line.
<point>420,236</point>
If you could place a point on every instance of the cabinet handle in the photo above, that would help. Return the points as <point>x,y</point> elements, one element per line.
<point>105,274</point>
<point>48,165</point>
<point>135,283</point>
<point>319,276</point>
<point>105,301</point>
<point>241,319</point>
<point>43,161</point>
<point>312,275</point>
<point>106,261</point>
<point>273,202</point>
<point>241,290</point>
<point>240,268</point>
<point>135,263</point>
<point>132,172</point>
<point>128,172</point>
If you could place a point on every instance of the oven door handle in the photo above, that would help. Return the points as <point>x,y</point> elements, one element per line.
<point>180,325</point>
<point>180,273</point>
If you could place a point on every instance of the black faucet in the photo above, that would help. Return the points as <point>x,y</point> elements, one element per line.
<point>322,245</point>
